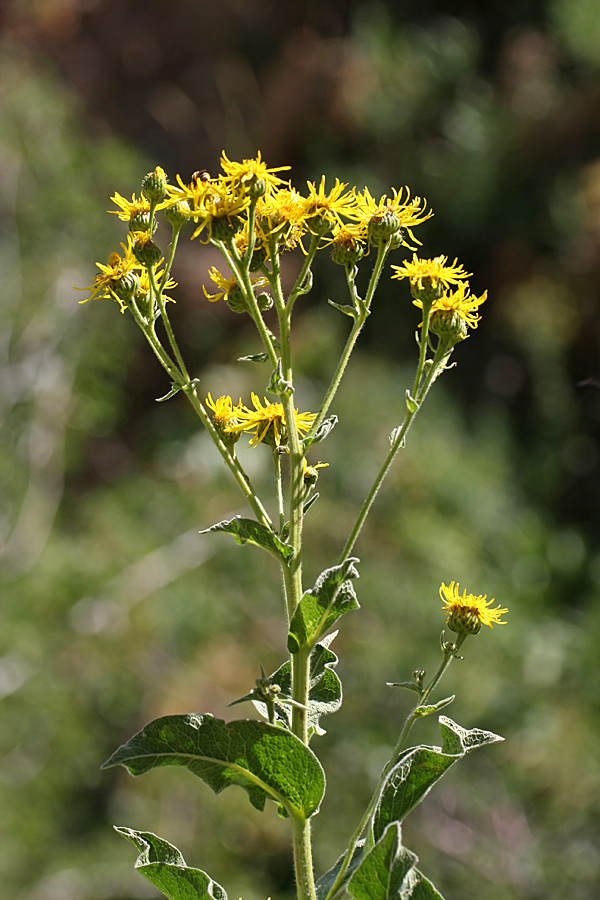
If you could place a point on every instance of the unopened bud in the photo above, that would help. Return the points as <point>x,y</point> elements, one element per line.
<point>154,185</point>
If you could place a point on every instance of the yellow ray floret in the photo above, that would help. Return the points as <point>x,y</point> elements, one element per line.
<point>431,272</point>
<point>268,422</point>
<point>469,608</point>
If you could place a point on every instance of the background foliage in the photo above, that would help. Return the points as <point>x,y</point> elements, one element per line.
<point>116,611</point>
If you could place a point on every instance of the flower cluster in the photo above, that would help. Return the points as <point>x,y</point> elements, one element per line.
<point>431,282</point>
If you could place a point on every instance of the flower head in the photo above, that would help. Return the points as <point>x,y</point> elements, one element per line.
<point>230,290</point>
<point>129,210</point>
<point>466,613</point>
<point>323,209</point>
<point>347,243</point>
<point>281,215</point>
<point>118,279</point>
<point>251,172</point>
<point>268,422</point>
<point>392,214</point>
<point>430,275</point>
<point>225,416</point>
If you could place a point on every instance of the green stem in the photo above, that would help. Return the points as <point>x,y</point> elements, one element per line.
<point>362,311</point>
<point>449,653</point>
<point>166,322</point>
<point>299,287</point>
<point>278,487</point>
<point>242,274</point>
<point>231,461</point>
<point>420,391</point>
<point>303,865</point>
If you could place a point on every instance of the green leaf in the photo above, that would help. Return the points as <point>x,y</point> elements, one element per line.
<point>416,887</point>
<point>423,711</point>
<point>332,596</point>
<point>381,872</point>
<point>411,404</point>
<point>420,768</point>
<point>163,865</point>
<point>327,880</point>
<point>407,784</point>
<point>456,739</point>
<point>248,531</point>
<point>265,760</point>
<point>408,685</point>
<point>345,308</point>
<point>326,426</point>
<point>254,357</point>
<point>325,688</point>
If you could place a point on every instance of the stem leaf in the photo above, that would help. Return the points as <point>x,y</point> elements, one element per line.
<point>265,760</point>
<point>249,531</point>
<point>332,595</point>
<point>382,871</point>
<point>420,768</point>
<point>324,690</point>
<point>254,357</point>
<point>163,865</point>
<point>345,308</point>
<point>321,433</point>
<point>422,711</point>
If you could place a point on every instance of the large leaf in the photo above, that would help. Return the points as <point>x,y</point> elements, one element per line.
<point>332,595</point>
<point>325,688</point>
<point>248,531</point>
<point>381,872</point>
<point>163,865</point>
<point>420,768</point>
<point>265,760</point>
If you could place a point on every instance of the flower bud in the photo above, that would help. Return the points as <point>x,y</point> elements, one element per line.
<point>264,302</point>
<point>145,250</point>
<point>154,185</point>
<point>125,287</point>
<point>177,214</point>
<point>347,253</point>
<point>255,186</point>
<point>319,225</point>
<point>382,226</point>
<point>140,221</point>
<point>235,300</point>
<point>448,325</point>
<point>223,228</point>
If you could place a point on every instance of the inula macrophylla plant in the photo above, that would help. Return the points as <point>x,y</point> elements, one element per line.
<point>253,216</point>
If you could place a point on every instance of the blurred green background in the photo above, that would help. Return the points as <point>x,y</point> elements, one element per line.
<point>115,610</point>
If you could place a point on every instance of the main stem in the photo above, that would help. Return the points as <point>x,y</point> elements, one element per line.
<point>292,573</point>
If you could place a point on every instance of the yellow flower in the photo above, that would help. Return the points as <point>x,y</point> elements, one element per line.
<point>460,304</point>
<point>347,243</point>
<point>431,273</point>
<point>330,206</point>
<point>268,422</point>
<point>408,213</point>
<point>212,202</point>
<point>129,209</point>
<point>282,215</point>
<point>118,279</point>
<point>230,290</point>
<point>252,170</point>
<point>466,613</point>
